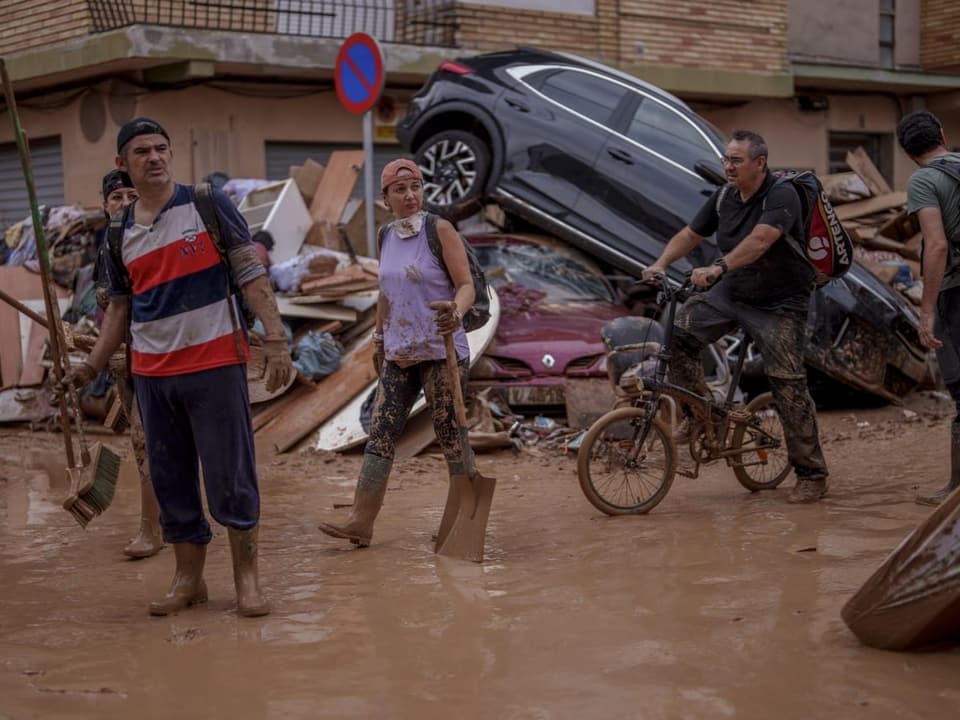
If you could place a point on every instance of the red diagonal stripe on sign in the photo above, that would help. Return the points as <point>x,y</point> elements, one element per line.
<point>356,71</point>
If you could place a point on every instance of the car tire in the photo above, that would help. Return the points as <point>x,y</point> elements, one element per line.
<point>455,166</point>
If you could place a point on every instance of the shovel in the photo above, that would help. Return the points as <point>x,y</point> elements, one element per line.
<point>463,528</point>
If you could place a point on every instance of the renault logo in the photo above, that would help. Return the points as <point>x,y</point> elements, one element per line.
<point>548,360</point>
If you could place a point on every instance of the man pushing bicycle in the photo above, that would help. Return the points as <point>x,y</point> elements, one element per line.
<point>766,290</point>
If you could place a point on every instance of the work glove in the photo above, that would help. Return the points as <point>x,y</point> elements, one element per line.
<point>79,376</point>
<point>277,365</point>
<point>448,317</point>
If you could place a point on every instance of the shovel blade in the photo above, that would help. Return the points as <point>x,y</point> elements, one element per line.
<point>451,509</point>
<point>467,535</point>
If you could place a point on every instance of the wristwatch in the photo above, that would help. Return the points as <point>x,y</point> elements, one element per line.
<point>722,264</point>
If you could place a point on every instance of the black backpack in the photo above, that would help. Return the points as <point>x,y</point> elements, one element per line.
<point>478,315</point>
<point>206,207</point>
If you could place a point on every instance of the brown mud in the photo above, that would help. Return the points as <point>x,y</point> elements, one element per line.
<point>718,604</point>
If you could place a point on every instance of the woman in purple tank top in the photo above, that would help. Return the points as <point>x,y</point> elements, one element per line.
<point>410,353</point>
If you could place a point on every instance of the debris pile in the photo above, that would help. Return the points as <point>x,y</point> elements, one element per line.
<point>887,240</point>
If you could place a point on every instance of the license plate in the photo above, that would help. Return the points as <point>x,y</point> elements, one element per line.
<point>536,395</point>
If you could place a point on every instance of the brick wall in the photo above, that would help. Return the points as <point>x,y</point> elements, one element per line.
<point>28,24</point>
<point>723,34</point>
<point>940,35</point>
<point>492,27</point>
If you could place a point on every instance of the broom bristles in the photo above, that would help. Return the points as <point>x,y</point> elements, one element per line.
<point>94,500</point>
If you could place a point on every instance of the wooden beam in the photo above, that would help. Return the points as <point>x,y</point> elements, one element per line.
<point>860,208</point>
<point>316,406</point>
<point>862,165</point>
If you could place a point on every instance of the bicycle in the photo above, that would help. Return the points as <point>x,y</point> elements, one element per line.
<point>629,443</point>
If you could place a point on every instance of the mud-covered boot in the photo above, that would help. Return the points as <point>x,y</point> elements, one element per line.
<point>371,487</point>
<point>188,587</point>
<point>149,540</point>
<point>808,490</point>
<point>243,547</point>
<point>954,482</point>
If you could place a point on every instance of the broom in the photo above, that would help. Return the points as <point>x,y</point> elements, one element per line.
<point>94,481</point>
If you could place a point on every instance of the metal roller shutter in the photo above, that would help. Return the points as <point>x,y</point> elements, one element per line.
<point>47,160</point>
<point>281,155</point>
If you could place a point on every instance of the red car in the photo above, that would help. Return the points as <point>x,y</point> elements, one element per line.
<point>553,302</point>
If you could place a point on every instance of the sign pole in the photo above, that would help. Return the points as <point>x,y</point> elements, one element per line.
<point>368,192</point>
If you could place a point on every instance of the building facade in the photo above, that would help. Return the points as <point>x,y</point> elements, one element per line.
<point>246,86</point>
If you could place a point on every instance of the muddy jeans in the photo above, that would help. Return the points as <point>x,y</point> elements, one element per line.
<point>396,394</point>
<point>779,334</point>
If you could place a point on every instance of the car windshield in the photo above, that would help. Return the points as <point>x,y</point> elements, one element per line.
<point>543,269</point>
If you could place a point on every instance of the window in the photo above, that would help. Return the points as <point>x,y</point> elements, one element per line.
<point>887,32</point>
<point>586,94</point>
<point>667,132</point>
<point>878,146</point>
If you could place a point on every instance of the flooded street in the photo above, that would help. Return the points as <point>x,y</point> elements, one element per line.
<point>718,604</point>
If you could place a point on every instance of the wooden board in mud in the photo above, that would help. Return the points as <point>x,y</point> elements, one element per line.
<point>344,431</point>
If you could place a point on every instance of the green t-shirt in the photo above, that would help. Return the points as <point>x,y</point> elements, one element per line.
<point>929,187</point>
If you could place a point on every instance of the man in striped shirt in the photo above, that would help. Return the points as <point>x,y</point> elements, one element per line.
<point>189,351</point>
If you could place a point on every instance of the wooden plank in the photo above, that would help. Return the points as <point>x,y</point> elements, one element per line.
<point>901,226</point>
<point>349,274</point>
<point>308,177</point>
<point>335,294</point>
<point>312,409</point>
<point>327,311</point>
<point>336,186</point>
<point>860,208</point>
<point>862,165</point>
<point>33,372</point>
<point>417,436</point>
<point>23,285</point>
<point>269,410</point>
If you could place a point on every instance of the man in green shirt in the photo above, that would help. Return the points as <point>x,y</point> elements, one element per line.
<point>933,194</point>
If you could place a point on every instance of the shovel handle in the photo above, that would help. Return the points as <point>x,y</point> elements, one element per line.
<point>453,371</point>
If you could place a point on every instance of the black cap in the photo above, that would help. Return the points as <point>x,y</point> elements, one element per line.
<point>139,126</point>
<point>114,180</point>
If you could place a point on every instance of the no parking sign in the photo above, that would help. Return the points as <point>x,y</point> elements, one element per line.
<point>358,74</point>
<point>359,78</point>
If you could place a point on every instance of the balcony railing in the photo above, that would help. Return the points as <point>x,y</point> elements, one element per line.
<point>415,22</point>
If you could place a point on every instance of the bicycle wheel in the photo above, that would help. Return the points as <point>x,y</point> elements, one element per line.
<point>763,464</point>
<point>618,474</point>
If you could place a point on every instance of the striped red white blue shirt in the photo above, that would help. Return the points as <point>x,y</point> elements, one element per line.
<point>180,302</point>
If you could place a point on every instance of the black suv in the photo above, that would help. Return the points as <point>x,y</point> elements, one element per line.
<point>615,167</point>
<point>601,159</point>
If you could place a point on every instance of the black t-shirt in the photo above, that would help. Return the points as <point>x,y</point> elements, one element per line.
<point>779,273</point>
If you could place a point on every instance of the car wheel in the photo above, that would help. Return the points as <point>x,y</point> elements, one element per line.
<point>455,165</point>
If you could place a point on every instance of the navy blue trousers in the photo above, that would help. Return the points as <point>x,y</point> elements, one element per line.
<point>200,419</point>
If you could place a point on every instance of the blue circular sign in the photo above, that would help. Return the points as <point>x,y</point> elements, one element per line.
<point>358,74</point>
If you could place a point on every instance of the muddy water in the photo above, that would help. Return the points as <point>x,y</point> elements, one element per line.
<point>719,604</point>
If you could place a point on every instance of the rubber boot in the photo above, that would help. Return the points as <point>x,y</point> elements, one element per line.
<point>367,500</point>
<point>188,587</point>
<point>954,482</point>
<point>149,540</point>
<point>243,547</point>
